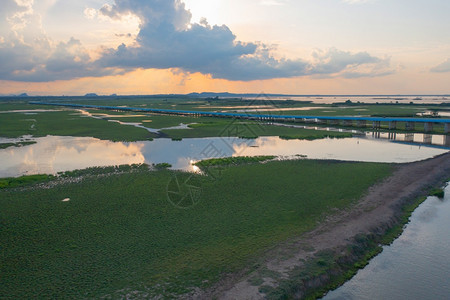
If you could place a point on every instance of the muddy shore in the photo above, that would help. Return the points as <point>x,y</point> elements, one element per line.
<point>361,226</point>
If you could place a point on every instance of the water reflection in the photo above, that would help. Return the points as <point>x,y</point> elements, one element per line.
<point>415,266</point>
<point>414,138</point>
<point>53,154</point>
<point>353,149</point>
<point>364,99</point>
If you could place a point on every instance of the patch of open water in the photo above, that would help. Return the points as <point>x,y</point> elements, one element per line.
<point>415,266</point>
<point>54,154</point>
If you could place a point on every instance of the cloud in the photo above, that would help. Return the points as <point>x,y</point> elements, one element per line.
<point>441,68</point>
<point>334,63</point>
<point>356,1</point>
<point>90,13</point>
<point>41,62</point>
<point>167,39</point>
<point>28,54</point>
<point>272,2</point>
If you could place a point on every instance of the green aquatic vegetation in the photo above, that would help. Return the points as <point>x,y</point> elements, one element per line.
<point>65,123</point>
<point>120,233</point>
<point>249,130</point>
<point>438,192</point>
<point>13,182</point>
<point>68,123</point>
<point>331,268</point>
<point>238,160</point>
<point>18,144</point>
<point>162,166</point>
<point>104,170</point>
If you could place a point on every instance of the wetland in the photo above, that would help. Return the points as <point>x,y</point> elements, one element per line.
<point>129,205</point>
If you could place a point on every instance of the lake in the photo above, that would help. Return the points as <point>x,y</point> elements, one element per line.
<point>54,154</point>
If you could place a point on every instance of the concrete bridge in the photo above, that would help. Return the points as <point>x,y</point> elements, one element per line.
<point>411,138</point>
<point>410,123</point>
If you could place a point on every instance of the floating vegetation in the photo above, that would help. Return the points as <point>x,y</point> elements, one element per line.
<point>238,160</point>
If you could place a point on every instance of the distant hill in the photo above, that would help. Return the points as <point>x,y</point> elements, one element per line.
<point>232,95</point>
<point>14,95</point>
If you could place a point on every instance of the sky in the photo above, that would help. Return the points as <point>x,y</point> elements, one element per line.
<point>128,47</point>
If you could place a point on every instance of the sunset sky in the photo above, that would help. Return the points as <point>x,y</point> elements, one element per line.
<point>74,47</point>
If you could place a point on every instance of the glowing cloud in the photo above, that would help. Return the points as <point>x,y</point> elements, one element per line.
<point>443,67</point>
<point>167,39</point>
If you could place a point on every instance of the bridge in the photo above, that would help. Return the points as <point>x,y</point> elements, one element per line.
<point>410,123</point>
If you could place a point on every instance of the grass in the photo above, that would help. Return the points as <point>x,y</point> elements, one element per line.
<point>326,270</point>
<point>162,166</point>
<point>438,192</point>
<point>331,268</point>
<point>119,233</point>
<point>65,123</point>
<point>18,144</point>
<point>93,171</point>
<point>227,161</point>
<point>246,129</point>
<point>68,123</point>
<point>14,182</point>
<point>150,120</point>
<point>387,110</point>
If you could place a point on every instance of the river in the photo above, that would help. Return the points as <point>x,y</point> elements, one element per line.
<point>414,266</point>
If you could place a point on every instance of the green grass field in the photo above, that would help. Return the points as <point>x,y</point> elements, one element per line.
<point>119,233</point>
<point>70,123</point>
<point>246,129</point>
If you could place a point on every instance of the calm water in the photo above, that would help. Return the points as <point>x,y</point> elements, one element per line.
<point>53,154</point>
<point>364,99</point>
<point>415,266</point>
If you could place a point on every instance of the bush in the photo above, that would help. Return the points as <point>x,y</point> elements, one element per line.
<point>162,166</point>
<point>437,193</point>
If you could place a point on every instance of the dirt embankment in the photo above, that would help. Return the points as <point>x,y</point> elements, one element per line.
<point>378,211</point>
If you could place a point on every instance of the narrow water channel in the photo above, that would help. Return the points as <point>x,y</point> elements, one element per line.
<point>414,266</point>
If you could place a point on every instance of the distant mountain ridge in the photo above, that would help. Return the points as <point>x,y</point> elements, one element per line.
<point>233,95</point>
<point>229,95</point>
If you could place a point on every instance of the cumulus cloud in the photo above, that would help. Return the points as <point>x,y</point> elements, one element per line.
<point>28,54</point>
<point>356,1</point>
<point>40,61</point>
<point>167,39</point>
<point>90,13</point>
<point>272,2</point>
<point>345,64</point>
<point>443,67</point>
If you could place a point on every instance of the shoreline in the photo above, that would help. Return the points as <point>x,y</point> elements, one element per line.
<point>324,258</point>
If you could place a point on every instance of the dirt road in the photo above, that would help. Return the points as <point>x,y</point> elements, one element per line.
<point>380,208</point>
